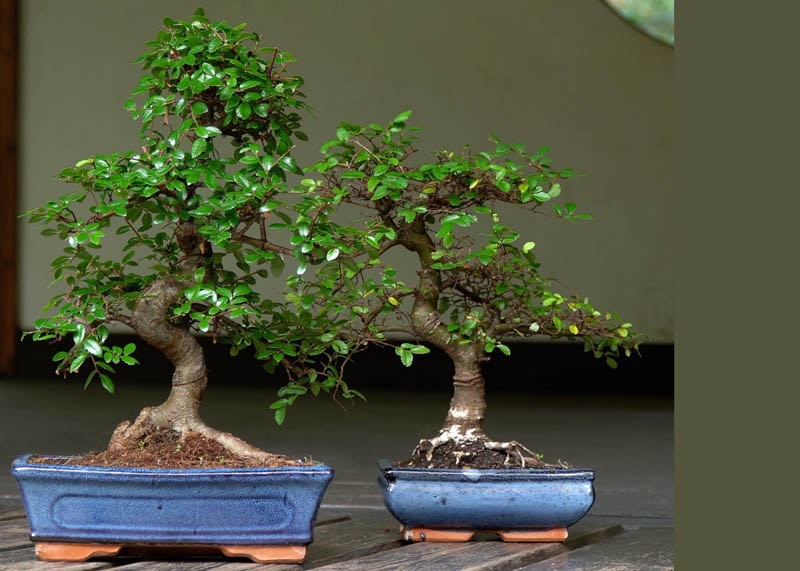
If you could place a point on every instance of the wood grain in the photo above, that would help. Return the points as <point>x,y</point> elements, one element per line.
<point>8,183</point>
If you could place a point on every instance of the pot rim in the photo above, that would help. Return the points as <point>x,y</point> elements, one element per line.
<point>392,472</point>
<point>23,463</point>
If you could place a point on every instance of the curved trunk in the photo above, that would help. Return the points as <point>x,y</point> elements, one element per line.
<point>189,379</point>
<point>180,411</point>
<point>463,425</point>
<point>468,403</point>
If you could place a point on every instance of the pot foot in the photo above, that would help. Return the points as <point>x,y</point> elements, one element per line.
<point>267,553</point>
<point>411,533</point>
<point>74,552</point>
<point>556,534</point>
<point>55,551</point>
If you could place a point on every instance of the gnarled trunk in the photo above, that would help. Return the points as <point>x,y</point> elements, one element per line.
<point>189,378</point>
<point>181,410</point>
<point>463,425</point>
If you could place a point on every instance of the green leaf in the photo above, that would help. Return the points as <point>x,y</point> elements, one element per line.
<point>241,289</point>
<point>380,192</point>
<point>249,84</point>
<point>198,108</point>
<point>94,347</point>
<point>107,383</point>
<point>540,196</point>
<point>402,117</point>
<point>89,379</point>
<point>528,246</point>
<point>406,357</point>
<point>243,111</point>
<point>291,165</point>
<point>60,356</point>
<point>198,148</point>
<point>77,362</point>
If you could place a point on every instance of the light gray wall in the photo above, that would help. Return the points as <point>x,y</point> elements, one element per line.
<point>568,74</point>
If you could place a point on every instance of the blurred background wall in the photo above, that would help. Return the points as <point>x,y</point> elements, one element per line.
<point>570,75</point>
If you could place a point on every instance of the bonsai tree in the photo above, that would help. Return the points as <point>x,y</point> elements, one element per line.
<point>478,282</point>
<point>200,208</point>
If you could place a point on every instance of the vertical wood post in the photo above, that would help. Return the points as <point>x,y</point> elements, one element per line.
<point>8,183</point>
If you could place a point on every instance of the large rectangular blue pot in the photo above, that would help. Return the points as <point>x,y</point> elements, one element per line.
<point>230,506</point>
<point>507,499</point>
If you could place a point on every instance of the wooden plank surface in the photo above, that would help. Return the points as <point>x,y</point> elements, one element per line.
<point>647,549</point>
<point>25,560</point>
<point>469,556</point>
<point>484,553</point>
<point>358,533</point>
<point>11,508</point>
<point>14,534</point>
<point>345,539</point>
<point>202,565</point>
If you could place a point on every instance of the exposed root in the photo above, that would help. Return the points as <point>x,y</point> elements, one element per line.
<point>449,450</point>
<point>517,455</point>
<point>195,444</point>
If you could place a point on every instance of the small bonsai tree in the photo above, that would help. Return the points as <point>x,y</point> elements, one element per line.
<point>199,206</point>
<point>478,281</point>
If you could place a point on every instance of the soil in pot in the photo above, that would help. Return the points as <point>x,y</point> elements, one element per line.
<point>478,453</point>
<point>166,448</point>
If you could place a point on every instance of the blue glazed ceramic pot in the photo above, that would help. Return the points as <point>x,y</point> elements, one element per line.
<point>513,499</point>
<point>230,506</point>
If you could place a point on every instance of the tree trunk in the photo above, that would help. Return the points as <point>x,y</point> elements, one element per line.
<point>189,379</point>
<point>468,403</point>
<point>463,425</point>
<point>180,411</point>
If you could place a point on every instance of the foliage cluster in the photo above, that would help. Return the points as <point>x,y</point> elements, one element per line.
<point>208,201</point>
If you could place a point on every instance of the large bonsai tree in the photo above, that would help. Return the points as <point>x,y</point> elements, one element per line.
<point>478,282</point>
<point>199,206</point>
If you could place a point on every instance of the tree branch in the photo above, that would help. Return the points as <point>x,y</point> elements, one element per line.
<point>261,244</point>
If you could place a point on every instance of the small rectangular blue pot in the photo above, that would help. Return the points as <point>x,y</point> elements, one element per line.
<point>230,506</point>
<point>508,499</point>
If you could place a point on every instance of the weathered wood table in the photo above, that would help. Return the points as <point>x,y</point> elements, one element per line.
<point>344,539</point>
